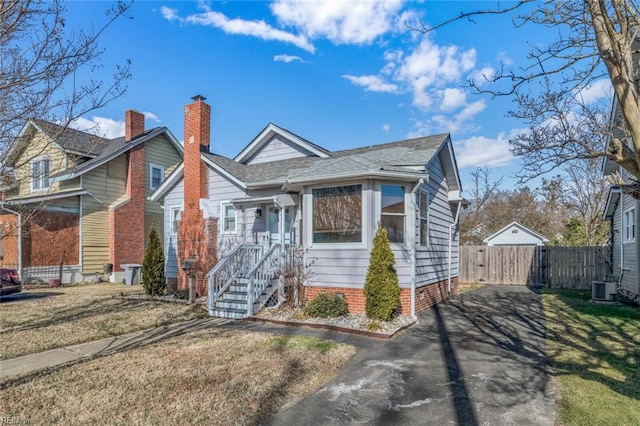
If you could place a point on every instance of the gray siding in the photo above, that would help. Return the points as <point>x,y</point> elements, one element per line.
<point>625,255</point>
<point>276,149</point>
<point>174,198</point>
<point>432,261</point>
<point>346,266</point>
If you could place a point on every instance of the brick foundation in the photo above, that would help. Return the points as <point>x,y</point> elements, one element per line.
<point>426,296</point>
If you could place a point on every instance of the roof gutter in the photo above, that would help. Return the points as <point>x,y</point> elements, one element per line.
<point>455,223</point>
<point>413,252</point>
<point>19,217</point>
<point>289,183</point>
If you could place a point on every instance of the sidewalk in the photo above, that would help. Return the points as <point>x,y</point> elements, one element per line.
<point>70,354</point>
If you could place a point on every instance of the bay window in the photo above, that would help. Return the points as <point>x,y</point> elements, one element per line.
<point>392,213</point>
<point>337,214</point>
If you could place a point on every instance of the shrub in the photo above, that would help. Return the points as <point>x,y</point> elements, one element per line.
<point>381,288</point>
<point>153,280</point>
<point>326,305</point>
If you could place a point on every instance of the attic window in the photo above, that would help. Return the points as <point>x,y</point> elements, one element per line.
<point>40,170</point>
<point>514,231</point>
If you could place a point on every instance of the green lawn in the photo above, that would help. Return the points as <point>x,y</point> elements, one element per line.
<point>595,350</point>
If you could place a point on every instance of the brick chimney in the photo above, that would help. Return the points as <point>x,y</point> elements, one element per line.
<point>133,124</point>
<point>197,134</point>
<point>197,237</point>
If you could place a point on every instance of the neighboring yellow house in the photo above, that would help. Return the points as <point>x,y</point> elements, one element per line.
<point>81,200</point>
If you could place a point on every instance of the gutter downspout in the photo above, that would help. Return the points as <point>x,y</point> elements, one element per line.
<point>455,223</point>
<point>413,251</point>
<point>19,216</point>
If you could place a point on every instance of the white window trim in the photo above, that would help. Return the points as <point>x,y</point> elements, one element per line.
<point>420,217</point>
<point>308,219</point>
<point>630,213</point>
<point>222,216</point>
<point>151,167</point>
<point>171,221</point>
<point>407,203</point>
<point>33,180</point>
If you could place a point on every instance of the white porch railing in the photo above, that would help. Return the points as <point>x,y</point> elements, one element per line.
<point>241,259</point>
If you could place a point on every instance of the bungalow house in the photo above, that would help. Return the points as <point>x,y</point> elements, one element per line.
<point>81,200</point>
<point>515,234</point>
<point>230,222</point>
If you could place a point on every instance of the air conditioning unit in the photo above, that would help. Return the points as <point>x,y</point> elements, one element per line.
<point>603,290</point>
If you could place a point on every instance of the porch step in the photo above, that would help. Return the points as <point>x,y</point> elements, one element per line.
<point>228,313</point>
<point>235,295</point>
<point>240,305</point>
<point>238,288</point>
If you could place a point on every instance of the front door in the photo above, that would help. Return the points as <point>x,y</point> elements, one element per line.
<point>273,225</point>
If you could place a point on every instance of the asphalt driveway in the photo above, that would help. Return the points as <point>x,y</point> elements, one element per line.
<point>478,359</point>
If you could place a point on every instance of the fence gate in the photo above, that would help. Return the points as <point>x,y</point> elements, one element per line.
<point>562,267</point>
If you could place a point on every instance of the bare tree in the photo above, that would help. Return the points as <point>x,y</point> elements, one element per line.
<point>473,227</point>
<point>586,193</point>
<point>45,67</point>
<point>595,39</point>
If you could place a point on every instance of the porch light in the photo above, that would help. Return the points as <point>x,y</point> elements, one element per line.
<point>258,212</point>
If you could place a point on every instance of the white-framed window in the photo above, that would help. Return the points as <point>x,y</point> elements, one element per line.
<point>40,169</point>
<point>423,216</point>
<point>156,175</point>
<point>629,225</point>
<point>175,214</point>
<point>228,218</point>
<point>337,214</point>
<point>393,212</point>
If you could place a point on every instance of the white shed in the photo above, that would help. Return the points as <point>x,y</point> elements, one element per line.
<point>515,234</point>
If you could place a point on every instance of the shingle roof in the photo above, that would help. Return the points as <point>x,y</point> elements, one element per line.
<point>112,149</point>
<point>393,156</point>
<point>73,140</point>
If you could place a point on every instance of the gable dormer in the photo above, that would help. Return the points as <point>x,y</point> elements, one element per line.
<point>274,143</point>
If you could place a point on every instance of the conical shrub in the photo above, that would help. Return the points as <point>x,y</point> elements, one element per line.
<point>381,288</point>
<point>153,279</point>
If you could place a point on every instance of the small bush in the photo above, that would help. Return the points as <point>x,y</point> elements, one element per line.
<point>153,280</point>
<point>326,305</point>
<point>381,288</point>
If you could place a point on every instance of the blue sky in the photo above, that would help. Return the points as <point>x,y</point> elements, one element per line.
<point>340,74</point>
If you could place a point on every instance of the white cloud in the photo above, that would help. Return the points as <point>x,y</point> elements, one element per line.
<point>429,67</point>
<point>597,90</point>
<point>288,58</point>
<point>169,13</point>
<point>342,22</point>
<point>453,98</point>
<point>151,116</point>
<point>101,126</point>
<point>372,83</point>
<point>386,127</point>
<point>481,151</point>
<point>483,75</point>
<point>259,29</point>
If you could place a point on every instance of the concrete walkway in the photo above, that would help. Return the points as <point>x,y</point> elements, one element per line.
<point>70,354</point>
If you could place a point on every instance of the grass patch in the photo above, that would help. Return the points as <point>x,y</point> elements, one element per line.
<point>302,342</point>
<point>595,349</point>
<point>57,317</point>
<point>212,376</point>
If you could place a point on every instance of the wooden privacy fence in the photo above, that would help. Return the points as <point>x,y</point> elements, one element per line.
<point>558,267</point>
